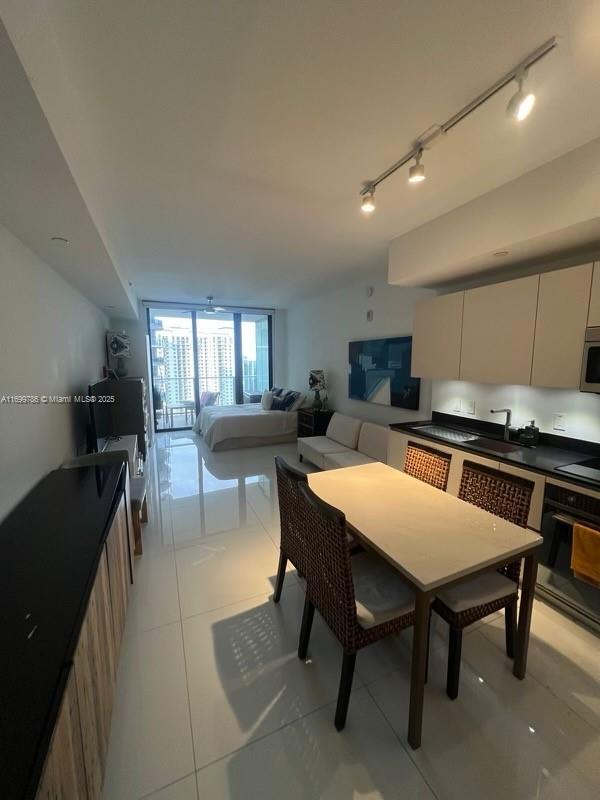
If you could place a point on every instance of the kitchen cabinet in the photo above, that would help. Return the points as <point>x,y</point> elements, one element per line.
<point>594,312</point>
<point>118,571</point>
<point>498,332</point>
<point>564,297</point>
<point>437,332</point>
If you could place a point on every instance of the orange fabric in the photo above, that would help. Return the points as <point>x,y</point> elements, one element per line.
<point>585,554</point>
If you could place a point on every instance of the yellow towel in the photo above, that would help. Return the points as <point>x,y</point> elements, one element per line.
<point>585,554</point>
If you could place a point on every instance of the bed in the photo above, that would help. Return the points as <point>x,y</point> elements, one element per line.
<point>247,425</point>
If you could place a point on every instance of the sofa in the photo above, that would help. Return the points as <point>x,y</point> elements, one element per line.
<point>348,442</point>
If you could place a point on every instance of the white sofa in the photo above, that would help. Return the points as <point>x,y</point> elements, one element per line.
<point>348,442</point>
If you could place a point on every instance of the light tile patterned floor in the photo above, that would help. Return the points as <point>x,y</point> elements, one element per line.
<point>213,703</point>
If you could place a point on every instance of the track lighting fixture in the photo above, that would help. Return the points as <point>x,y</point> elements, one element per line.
<point>519,107</point>
<point>416,173</point>
<point>367,205</point>
<point>521,103</point>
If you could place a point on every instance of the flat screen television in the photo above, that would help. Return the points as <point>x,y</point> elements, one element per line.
<point>100,416</point>
<point>379,372</point>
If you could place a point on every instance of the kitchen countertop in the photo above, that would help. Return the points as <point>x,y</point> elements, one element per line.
<point>50,545</point>
<point>551,452</point>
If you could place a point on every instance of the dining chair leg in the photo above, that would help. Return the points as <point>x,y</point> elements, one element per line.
<point>454,651</point>
<point>510,623</point>
<point>280,576</point>
<point>343,700</point>
<point>307,621</point>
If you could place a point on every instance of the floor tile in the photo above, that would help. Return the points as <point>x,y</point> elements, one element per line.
<point>310,760</point>
<point>225,569</point>
<point>245,676</point>
<point>197,517</point>
<point>501,738</point>
<point>150,741</point>
<point>155,598</point>
<point>564,657</point>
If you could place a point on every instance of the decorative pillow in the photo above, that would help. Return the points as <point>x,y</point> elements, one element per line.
<point>267,400</point>
<point>298,402</point>
<point>285,401</point>
<point>276,392</point>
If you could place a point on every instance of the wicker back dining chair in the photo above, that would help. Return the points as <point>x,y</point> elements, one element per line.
<point>507,496</point>
<point>292,544</point>
<point>428,465</point>
<point>338,585</point>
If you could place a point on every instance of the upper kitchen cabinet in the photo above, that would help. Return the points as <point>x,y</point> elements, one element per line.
<point>436,337</point>
<point>498,331</point>
<point>594,315</point>
<point>562,312</point>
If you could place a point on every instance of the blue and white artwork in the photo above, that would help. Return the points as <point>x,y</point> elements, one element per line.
<point>379,372</point>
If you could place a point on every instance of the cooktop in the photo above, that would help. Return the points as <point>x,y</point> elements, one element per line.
<point>589,469</point>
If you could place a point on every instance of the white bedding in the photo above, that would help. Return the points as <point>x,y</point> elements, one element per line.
<point>220,423</point>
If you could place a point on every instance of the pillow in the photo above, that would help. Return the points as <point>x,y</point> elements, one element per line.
<point>298,402</point>
<point>285,401</point>
<point>276,392</point>
<point>267,400</point>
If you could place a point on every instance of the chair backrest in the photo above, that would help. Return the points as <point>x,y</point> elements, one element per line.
<point>505,495</point>
<point>344,430</point>
<point>428,465</point>
<point>292,535</point>
<point>328,572</point>
<point>373,441</point>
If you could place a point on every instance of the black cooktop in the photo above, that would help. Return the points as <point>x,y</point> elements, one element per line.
<point>589,469</point>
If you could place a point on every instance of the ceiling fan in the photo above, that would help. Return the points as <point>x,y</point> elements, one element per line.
<point>209,308</point>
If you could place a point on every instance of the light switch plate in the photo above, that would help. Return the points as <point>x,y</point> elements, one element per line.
<point>559,422</point>
<point>468,406</point>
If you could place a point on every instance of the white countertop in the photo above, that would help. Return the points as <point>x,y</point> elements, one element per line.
<point>431,537</point>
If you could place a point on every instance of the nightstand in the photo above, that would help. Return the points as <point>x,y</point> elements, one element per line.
<point>312,422</point>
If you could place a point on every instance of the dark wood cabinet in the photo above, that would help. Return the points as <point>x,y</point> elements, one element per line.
<point>312,422</point>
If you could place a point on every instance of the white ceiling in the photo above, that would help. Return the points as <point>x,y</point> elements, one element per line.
<point>220,146</point>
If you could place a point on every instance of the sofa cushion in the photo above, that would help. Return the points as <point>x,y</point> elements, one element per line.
<point>344,430</point>
<point>314,449</point>
<point>373,441</point>
<point>346,458</point>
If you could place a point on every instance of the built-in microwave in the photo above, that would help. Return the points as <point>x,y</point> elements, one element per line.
<point>590,367</point>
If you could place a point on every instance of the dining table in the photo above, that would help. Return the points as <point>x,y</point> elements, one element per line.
<point>434,540</point>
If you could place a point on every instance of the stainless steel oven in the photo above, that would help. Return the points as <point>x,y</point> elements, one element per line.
<point>590,367</point>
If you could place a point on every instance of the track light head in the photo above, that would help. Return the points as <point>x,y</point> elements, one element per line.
<point>416,173</point>
<point>367,203</point>
<point>522,102</point>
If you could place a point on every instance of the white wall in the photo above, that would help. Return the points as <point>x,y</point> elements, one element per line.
<point>581,410</point>
<point>51,343</point>
<point>320,328</point>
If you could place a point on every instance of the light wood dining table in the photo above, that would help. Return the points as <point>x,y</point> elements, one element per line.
<point>434,540</point>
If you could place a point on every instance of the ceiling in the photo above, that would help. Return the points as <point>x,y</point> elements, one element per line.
<point>220,147</point>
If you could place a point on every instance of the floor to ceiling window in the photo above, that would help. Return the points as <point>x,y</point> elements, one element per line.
<point>203,358</point>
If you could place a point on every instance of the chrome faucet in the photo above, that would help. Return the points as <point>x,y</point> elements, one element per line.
<point>508,412</point>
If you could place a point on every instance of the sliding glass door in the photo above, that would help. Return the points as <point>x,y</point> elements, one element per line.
<point>200,359</point>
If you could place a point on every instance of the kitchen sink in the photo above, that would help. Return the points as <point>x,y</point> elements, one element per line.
<point>495,445</point>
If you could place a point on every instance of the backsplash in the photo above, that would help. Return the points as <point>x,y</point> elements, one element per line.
<point>578,413</point>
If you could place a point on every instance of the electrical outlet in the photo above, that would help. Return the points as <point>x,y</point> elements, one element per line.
<point>559,422</point>
<point>468,406</point>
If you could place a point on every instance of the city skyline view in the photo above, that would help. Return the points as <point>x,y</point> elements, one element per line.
<point>174,372</point>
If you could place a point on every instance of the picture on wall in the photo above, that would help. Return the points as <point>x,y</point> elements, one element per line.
<point>379,372</point>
